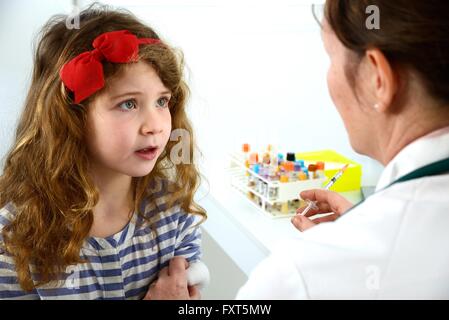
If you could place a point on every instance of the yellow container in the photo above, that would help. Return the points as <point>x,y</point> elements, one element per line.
<point>351,180</point>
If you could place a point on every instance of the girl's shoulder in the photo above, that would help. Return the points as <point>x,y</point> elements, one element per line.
<point>158,196</point>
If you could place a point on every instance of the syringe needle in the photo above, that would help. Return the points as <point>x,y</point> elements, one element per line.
<point>311,205</point>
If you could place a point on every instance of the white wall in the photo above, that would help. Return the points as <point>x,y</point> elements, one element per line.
<point>19,23</point>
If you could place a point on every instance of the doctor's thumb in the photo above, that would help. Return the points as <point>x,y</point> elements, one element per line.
<point>302,223</point>
<point>321,195</point>
<point>329,201</point>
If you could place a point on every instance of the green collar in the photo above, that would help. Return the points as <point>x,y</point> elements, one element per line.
<point>433,169</point>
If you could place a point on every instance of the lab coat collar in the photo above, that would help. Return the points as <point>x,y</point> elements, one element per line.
<point>425,150</point>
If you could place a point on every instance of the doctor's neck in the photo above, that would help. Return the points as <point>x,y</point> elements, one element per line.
<point>414,122</point>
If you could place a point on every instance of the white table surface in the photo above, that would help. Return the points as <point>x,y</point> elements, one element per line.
<point>244,233</point>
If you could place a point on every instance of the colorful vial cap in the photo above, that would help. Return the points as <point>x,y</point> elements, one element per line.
<point>283,179</point>
<point>256,168</point>
<point>291,156</point>
<point>312,167</point>
<point>253,158</point>
<point>320,165</point>
<point>302,176</point>
<point>289,166</point>
<point>266,158</point>
<point>245,147</point>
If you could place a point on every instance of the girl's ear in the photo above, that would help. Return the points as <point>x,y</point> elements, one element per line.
<point>383,79</point>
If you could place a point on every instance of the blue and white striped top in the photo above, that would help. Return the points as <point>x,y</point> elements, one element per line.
<point>121,266</point>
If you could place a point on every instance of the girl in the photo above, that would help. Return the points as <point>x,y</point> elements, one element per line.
<point>93,206</point>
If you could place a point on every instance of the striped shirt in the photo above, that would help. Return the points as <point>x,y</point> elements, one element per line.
<point>121,266</point>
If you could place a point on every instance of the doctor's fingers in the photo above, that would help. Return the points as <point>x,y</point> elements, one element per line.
<point>176,266</point>
<point>322,207</point>
<point>172,281</point>
<point>320,195</point>
<point>302,223</point>
<point>336,202</point>
<point>163,273</point>
<point>194,293</point>
<point>177,270</point>
<point>329,218</point>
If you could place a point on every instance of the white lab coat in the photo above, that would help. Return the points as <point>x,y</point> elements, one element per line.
<point>395,245</point>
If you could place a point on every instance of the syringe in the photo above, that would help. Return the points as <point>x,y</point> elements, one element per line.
<point>312,204</point>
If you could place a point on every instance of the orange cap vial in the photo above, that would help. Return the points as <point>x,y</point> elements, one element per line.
<point>320,165</point>
<point>253,158</point>
<point>302,176</point>
<point>289,166</point>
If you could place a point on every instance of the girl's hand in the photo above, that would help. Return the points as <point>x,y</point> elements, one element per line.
<point>171,283</point>
<point>328,202</point>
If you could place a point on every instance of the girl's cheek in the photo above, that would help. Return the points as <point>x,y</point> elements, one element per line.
<point>168,121</point>
<point>168,133</point>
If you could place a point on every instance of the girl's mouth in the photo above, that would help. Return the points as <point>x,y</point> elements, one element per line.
<point>147,153</point>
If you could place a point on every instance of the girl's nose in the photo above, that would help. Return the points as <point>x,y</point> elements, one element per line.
<point>152,122</point>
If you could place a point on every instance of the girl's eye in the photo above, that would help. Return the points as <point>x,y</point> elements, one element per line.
<point>128,105</point>
<point>163,102</point>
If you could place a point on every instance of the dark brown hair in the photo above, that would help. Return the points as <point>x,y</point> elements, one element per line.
<point>413,34</point>
<point>46,174</point>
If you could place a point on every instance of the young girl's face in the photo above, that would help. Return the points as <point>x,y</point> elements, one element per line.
<point>130,115</point>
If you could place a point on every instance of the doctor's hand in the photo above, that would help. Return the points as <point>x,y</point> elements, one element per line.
<point>171,283</point>
<point>328,202</point>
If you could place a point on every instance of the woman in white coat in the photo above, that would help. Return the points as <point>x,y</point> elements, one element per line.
<point>391,88</point>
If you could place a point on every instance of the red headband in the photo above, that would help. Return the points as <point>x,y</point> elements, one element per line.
<point>83,75</point>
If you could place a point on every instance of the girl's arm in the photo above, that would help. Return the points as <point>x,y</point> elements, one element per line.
<point>188,238</point>
<point>188,246</point>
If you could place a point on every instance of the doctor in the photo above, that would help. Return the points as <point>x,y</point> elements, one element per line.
<point>391,88</point>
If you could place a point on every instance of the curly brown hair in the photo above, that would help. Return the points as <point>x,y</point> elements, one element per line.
<point>46,174</point>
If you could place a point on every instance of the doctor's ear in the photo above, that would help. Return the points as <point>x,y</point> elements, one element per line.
<point>382,80</point>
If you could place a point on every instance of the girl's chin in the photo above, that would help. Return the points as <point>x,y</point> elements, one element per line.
<point>141,173</point>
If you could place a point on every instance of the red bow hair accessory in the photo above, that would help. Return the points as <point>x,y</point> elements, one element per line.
<point>83,75</point>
